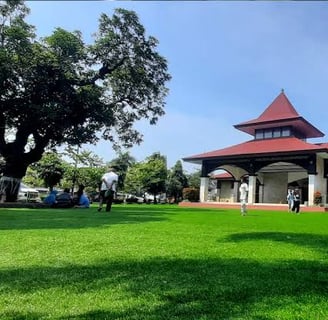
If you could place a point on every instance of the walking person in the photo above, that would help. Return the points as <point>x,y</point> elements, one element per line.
<point>108,189</point>
<point>296,202</point>
<point>243,189</point>
<point>290,199</point>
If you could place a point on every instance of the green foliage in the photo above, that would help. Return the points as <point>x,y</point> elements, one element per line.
<point>88,176</point>
<point>190,194</point>
<point>121,164</point>
<point>194,179</point>
<point>59,90</point>
<point>147,176</point>
<point>32,178</point>
<point>134,180</point>
<point>176,181</point>
<point>50,168</point>
<point>154,174</point>
<point>84,168</point>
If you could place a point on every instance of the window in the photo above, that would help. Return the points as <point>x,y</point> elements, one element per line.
<point>273,133</point>
<point>268,134</point>
<point>259,134</point>
<point>276,132</point>
<point>285,132</point>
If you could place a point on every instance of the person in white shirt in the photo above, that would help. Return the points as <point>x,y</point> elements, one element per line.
<point>243,189</point>
<point>108,189</point>
<point>290,199</point>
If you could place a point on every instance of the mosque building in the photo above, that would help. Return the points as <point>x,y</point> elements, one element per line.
<point>278,158</point>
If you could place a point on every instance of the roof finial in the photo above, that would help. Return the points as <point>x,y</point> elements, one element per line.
<point>282,90</point>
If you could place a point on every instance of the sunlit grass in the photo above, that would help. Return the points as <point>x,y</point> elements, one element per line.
<point>162,262</point>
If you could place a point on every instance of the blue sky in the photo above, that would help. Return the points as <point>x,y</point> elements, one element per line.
<point>228,61</point>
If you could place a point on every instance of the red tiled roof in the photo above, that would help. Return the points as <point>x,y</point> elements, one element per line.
<point>279,109</point>
<point>266,146</point>
<point>280,113</point>
<point>223,175</point>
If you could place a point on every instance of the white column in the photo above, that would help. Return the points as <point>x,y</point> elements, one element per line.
<point>311,188</point>
<point>203,191</point>
<point>251,189</point>
<point>261,189</point>
<point>320,180</point>
<point>235,191</point>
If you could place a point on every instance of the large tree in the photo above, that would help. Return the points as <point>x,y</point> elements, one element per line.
<point>59,90</point>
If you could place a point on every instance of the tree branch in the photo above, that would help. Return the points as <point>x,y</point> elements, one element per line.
<point>35,154</point>
<point>2,131</point>
<point>103,71</point>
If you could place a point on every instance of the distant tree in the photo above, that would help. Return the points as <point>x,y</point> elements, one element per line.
<point>59,90</point>
<point>32,178</point>
<point>88,176</point>
<point>134,180</point>
<point>176,181</point>
<point>83,167</point>
<point>154,174</point>
<point>51,169</point>
<point>147,176</point>
<point>194,179</point>
<point>122,163</point>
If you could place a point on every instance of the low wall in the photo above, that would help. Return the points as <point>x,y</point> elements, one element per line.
<point>259,206</point>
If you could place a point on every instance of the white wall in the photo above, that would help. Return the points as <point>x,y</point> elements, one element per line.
<point>226,192</point>
<point>275,187</point>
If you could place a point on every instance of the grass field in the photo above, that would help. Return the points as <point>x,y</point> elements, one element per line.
<point>162,262</point>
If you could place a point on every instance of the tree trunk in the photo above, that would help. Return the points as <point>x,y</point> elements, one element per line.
<point>17,161</point>
<point>9,188</point>
<point>13,172</point>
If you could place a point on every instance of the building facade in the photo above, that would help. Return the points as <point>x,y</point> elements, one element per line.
<point>278,158</point>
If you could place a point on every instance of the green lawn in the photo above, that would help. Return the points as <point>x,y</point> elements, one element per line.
<point>162,262</point>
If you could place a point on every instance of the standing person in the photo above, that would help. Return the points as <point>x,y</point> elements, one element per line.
<point>296,202</point>
<point>108,189</point>
<point>290,199</point>
<point>243,189</point>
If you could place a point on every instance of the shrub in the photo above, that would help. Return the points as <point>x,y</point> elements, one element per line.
<point>317,197</point>
<point>191,194</point>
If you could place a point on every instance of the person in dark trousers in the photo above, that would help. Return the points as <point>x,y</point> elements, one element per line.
<point>108,189</point>
<point>296,201</point>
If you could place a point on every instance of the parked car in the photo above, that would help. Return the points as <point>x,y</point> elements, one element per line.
<point>130,198</point>
<point>28,194</point>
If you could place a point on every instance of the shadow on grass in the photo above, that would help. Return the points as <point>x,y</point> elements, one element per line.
<point>313,241</point>
<point>18,219</point>
<point>160,288</point>
<point>27,219</point>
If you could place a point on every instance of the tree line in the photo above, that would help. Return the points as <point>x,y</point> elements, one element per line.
<point>74,167</point>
